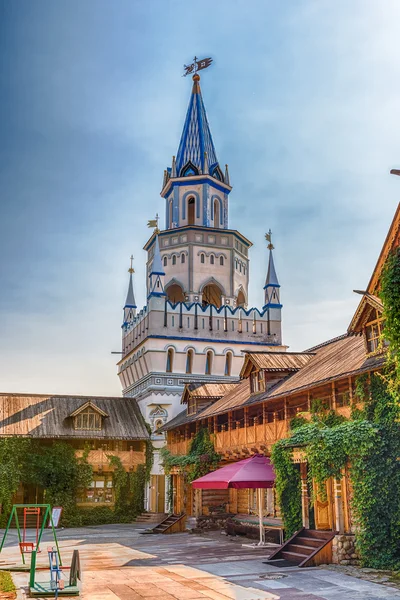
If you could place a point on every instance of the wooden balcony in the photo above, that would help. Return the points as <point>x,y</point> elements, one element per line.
<point>98,458</point>
<point>179,448</point>
<point>250,439</point>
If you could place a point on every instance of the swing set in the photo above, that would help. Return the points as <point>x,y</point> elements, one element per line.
<point>37,512</point>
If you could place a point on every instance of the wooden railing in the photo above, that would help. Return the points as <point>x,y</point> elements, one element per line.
<point>179,448</point>
<point>251,436</point>
<point>98,458</point>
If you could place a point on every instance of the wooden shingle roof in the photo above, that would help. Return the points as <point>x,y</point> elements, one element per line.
<point>206,390</point>
<point>49,416</point>
<point>276,361</point>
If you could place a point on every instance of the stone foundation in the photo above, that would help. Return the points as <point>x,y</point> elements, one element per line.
<point>212,522</point>
<point>344,551</point>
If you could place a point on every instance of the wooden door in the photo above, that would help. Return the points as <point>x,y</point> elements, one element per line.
<point>324,508</point>
<point>160,493</point>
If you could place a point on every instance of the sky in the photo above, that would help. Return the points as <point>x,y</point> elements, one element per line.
<point>302,100</point>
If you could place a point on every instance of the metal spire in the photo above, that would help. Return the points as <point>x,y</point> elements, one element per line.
<point>130,297</point>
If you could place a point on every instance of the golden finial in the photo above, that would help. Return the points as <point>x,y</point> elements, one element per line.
<point>131,269</point>
<point>268,237</point>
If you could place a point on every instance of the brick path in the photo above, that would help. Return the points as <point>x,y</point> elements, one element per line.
<point>120,564</point>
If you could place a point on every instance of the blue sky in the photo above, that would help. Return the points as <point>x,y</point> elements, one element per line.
<point>302,100</point>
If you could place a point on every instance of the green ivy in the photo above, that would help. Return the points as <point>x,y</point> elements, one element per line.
<point>200,460</point>
<point>368,443</point>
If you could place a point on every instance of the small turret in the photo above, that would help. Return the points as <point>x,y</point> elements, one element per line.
<point>271,287</point>
<point>130,304</point>
<point>157,274</point>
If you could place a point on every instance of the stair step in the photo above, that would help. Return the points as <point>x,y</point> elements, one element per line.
<point>294,557</point>
<point>310,542</point>
<point>316,534</point>
<point>306,550</point>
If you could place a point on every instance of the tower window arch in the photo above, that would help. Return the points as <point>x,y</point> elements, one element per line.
<point>221,261</point>
<point>191,211</point>
<point>183,258</point>
<point>189,169</point>
<point>189,361</point>
<point>228,364</point>
<point>209,361</point>
<point>212,259</point>
<point>217,215</point>
<point>174,260</point>
<point>202,259</point>
<point>165,261</point>
<point>170,361</point>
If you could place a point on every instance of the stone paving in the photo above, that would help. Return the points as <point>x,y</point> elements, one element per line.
<point>120,564</point>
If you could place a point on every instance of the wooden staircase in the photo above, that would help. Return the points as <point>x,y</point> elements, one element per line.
<point>150,517</point>
<point>172,524</point>
<point>307,548</point>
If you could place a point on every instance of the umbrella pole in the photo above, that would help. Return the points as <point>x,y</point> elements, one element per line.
<point>260,513</point>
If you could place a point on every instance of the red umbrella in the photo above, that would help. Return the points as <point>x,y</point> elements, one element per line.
<point>255,473</point>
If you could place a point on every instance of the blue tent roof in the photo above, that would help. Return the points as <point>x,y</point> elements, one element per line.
<point>196,136</point>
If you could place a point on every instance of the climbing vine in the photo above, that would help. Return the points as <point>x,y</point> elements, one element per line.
<point>200,460</point>
<point>368,445</point>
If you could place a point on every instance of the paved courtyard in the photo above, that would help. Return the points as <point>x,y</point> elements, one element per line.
<point>120,564</point>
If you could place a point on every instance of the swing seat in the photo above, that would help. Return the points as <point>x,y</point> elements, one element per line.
<point>26,547</point>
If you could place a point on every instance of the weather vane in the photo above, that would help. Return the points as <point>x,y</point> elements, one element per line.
<point>196,65</point>
<point>131,269</point>
<point>268,237</point>
<point>154,223</point>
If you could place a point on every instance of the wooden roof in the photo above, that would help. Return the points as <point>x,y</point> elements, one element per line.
<point>335,359</point>
<point>275,361</point>
<point>392,241</point>
<point>206,390</point>
<point>341,357</point>
<point>235,398</point>
<point>49,416</point>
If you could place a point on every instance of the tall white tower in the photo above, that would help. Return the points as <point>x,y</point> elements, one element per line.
<point>196,322</point>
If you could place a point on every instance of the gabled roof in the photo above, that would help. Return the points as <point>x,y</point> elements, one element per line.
<point>196,135</point>
<point>205,390</point>
<point>275,361</point>
<point>88,404</point>
<point>235,398</point>
<point>343,356</point>
<point>361,316</point>
<point>49,416</point>
<point>392,241</point>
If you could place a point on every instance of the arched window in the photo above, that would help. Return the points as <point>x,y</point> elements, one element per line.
<point>183,258</point>
<point>165,261</point>
<point>170,360</point>
<point>209,360</point>
<point>221,261</point>
<point>216,214</point>
<point>228,363</point>
<point>241,300</point>
<point>202,258</point>
<point>174,260</point>
<point>189,361</point>
<point>212,259</point>
<point>191,211</point>
<point>170,213</point>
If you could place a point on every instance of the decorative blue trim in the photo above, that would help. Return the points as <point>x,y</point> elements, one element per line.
<point>130,306</point>
<point>206,222</point>
<point>213,340</point>
<point>157,294</point>
<point>267,306</point>
<point>194,179</point>
<point>273,285</point>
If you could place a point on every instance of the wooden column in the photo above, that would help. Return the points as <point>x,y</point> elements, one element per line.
<point>339,517</point>
<point>333,396</point>
<point>215,425</point>
<point>308,401</point>
<point>246,423</point>
<point>230,428</point>
<point>305,513</point>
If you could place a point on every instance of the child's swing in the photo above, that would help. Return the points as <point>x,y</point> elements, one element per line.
<point>29,547</point>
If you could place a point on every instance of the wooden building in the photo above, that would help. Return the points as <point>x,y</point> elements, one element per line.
<point>275,386</point>
<point>110,426</point>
